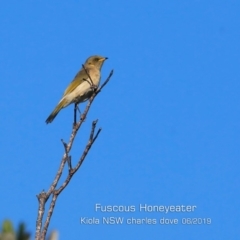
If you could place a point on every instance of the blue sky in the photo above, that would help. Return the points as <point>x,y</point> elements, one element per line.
<point>169,116</point>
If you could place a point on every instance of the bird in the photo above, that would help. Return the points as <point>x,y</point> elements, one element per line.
<point>82,86</point>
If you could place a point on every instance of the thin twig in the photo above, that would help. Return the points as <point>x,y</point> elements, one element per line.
<point>99,130</point>
<point>86,71</point>
<point>49,215</point>
<point>67,156</point>
<point>106,81</point>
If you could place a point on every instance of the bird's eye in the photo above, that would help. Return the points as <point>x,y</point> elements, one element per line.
<point>96,59</point>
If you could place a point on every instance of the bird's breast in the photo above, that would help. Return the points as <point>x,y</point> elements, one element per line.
<point>84,91</point>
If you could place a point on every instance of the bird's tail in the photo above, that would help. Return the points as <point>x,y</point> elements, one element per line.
<point>54,113</point>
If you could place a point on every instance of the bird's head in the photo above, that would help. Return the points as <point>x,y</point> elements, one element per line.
<point>96,61</point>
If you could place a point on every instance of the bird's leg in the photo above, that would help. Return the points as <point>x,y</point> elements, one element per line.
<point>75,114</point>
<point>76,108</point>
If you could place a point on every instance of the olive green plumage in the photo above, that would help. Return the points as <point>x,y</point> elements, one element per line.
<point>80,89</point>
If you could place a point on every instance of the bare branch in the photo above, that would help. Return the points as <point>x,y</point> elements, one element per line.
<point>50,212</point>
<point>53,191</point>
<point>42,200</point>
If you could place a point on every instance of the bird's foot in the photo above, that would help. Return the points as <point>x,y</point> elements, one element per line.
<point>94,87</point>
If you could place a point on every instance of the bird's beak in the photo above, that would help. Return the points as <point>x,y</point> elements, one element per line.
<point>102,59</point>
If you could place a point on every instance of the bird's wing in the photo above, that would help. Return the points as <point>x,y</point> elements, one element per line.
<point>79,79</point>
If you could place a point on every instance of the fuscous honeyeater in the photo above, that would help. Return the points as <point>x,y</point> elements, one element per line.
<point>81,88</point>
